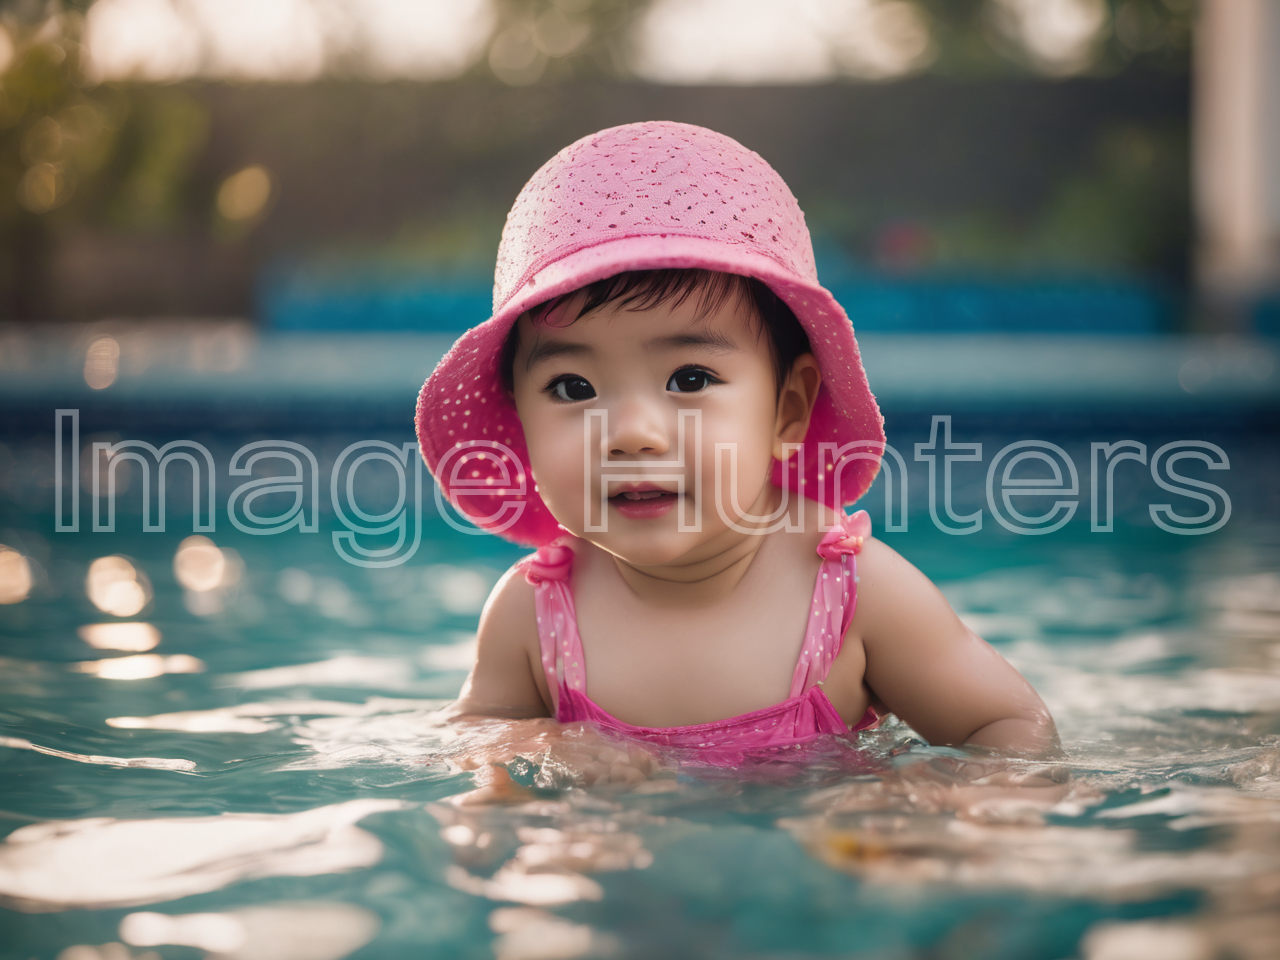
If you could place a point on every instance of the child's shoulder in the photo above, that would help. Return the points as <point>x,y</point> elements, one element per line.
<point>510,607</point>
<point>892,590</point>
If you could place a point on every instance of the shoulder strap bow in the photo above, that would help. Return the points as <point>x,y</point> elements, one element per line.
<point>552,562</point>
<point>847,537</point>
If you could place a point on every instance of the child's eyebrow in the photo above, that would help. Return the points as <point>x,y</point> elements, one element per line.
<point>698,338</point>
<point>547,349</point>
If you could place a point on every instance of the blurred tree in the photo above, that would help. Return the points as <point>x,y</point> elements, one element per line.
<point>1155,33</point>
<point>1125,210</point>
<point>37,172</point>
<point>111,156</point>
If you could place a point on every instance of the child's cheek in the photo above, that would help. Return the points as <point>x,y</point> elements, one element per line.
<point>557,460</point>
<point>743,431</point>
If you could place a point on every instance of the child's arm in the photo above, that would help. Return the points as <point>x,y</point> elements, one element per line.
<point>508,683</point>
<point>933,671</point>
<point>503,682</point>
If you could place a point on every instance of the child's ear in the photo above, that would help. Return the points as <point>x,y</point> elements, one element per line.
<point>795,403</point>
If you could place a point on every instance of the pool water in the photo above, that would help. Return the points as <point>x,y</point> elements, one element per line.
<point>270,781</point>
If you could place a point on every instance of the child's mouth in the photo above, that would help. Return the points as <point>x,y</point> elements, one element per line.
<point>643,504</point>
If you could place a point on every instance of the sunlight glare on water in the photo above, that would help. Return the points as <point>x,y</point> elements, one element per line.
<point>133,637</point>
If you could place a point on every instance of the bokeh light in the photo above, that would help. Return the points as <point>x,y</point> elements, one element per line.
<point>284,39</point>
<point>206,572</point>
<point>130,637</point>
<point>143,666</point>
<point>15,576</point>
<point>421,39</point>
<point>199,565</point>
<point>514,57</point>
<point>102,363</point>
<point>139,39</point>
<point>42,188</point>
<point>117,587</point>
<point>1060,36</point>
<point>763,41</point>
<point>244,195</point>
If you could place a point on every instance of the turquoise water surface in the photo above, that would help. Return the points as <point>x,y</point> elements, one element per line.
<point>270,781</point>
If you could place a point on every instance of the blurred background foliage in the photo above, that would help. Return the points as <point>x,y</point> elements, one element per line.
<point>979,38</point>
<point>107,180</point>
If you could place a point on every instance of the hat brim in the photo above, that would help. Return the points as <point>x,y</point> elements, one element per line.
<point>464,403</point>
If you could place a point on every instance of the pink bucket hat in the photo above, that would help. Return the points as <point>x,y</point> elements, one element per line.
<point>643,196</point>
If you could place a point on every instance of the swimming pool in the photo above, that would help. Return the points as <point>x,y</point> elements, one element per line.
<point>267,780</point>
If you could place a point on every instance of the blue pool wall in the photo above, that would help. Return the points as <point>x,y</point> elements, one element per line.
<point>298,301</point>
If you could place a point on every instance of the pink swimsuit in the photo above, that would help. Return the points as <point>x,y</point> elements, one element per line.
<point>806,715</point>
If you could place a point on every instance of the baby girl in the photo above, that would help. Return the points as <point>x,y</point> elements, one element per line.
<point>672,410</point>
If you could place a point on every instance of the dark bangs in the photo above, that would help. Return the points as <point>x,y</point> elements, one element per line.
<point>641,290</point>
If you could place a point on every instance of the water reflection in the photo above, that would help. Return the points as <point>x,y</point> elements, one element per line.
<point>317,930</point>
<point>258,717</point>
<point>141,763</point>
<point>104,862</point>
<point>1015,846</point>
<point>215,932</point>
<point>15,576</point>
<point>344,670</point>
<point>143,666</point>
<point>117,587</point>
<point>131,637</point>
<point>104,951</point>
<point>549,847</point>
<point>527,933</point>
<point>1169,941</point>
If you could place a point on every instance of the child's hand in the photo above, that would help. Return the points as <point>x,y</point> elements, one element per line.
<point>554,755</point>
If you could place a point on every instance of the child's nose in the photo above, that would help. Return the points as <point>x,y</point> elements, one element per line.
<point>637,428</point>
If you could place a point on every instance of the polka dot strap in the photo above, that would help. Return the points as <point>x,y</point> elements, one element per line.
<point>835,596</point>
<point>559,642</point>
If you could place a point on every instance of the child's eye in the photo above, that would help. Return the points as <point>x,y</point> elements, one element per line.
<point>571,389</point>
<point>690,380</point>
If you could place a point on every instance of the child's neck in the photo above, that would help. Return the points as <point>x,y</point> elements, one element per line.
<point>694,583</point>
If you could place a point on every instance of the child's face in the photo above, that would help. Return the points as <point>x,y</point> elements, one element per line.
<point>642,369</point>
